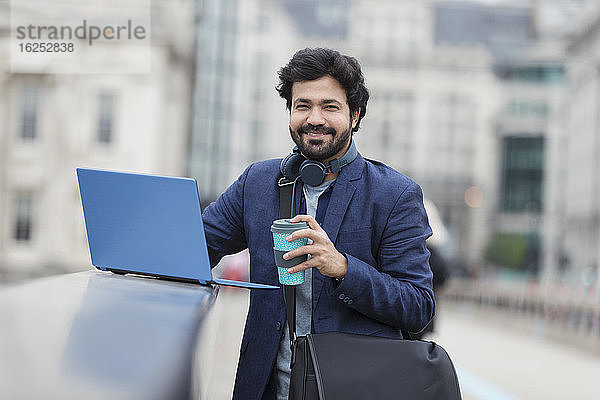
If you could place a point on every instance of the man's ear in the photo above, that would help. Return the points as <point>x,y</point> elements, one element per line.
<point>355,116</point>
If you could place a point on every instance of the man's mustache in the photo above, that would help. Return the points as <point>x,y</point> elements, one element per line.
<point>316,129</point>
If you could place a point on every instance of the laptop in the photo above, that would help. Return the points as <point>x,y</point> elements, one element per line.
<point>147,225</point>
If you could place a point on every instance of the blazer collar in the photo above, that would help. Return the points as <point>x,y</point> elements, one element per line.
<point>352,171</point>
<point>343,190</point>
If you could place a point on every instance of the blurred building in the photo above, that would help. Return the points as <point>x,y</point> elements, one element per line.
<point>531,137</point>
<point>574,228</point>
<point>526,41</point>
<point>528,130</point>
<point>502,28</point>
<point>54,123</point>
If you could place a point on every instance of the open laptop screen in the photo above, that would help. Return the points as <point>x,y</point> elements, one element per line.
<point>144,223</point>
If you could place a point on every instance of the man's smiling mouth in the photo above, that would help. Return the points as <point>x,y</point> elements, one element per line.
<point>316,134</point>
<point>316,131</point>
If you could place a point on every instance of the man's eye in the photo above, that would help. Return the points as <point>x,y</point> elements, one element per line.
<point>301,107</point>
<point>332,108</point>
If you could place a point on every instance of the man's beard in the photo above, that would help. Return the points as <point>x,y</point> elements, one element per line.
<point>326,150</point>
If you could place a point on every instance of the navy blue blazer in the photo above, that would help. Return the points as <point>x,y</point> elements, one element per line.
<point>375,218</point>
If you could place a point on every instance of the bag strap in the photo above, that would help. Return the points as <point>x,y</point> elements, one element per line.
<point>285,196</point>
<point>286,187</point>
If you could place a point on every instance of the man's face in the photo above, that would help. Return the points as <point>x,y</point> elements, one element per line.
<point>320,122</point>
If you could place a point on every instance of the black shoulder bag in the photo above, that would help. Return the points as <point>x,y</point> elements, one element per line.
<point>341,366</point>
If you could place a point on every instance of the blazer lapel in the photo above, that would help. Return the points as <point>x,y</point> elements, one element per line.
<point>342,194</point>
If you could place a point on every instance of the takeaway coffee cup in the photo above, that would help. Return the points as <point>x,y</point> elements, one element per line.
<point>281,229</point>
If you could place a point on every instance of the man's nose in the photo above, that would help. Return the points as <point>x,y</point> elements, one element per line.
<point>315,117</point>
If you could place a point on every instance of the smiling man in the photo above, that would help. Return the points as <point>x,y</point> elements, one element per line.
<point>367,271</point>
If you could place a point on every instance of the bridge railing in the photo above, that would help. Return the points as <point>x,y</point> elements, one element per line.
<point>563,309</point>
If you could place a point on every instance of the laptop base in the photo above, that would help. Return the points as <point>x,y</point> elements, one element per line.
<point>220,282</point>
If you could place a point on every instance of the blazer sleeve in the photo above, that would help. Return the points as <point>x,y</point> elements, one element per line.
<point>224,221</point>
<point>398,291</point>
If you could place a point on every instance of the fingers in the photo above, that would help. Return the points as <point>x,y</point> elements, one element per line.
<point>321,249</point>
<point>301,267</point>
<point>328,266</point>
<point>311,222</point>
<point>302,233</point>
<point>300,251</point>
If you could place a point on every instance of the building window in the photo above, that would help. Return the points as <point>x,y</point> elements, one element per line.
<point>523,167</point>
<point>29,114</point>
<point>23,216</point>
<point>106,103</point>
<point>527,108</point>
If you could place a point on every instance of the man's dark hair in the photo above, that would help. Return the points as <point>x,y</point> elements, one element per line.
<point>310,64</point>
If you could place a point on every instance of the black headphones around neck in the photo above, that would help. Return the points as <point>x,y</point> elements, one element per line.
<point>312,172</point>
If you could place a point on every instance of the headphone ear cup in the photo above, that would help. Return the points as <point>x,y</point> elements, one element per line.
<point>312,172</point>
<point>290,165</point>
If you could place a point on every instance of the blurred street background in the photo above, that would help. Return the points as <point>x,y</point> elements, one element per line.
<point>492,106</point>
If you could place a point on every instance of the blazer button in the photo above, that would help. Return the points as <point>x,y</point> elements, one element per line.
<point>342,296</point>
<point>278,325</point>
<point>350,301</point>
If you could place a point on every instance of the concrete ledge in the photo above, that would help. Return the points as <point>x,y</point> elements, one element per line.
<point>98,335</point>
